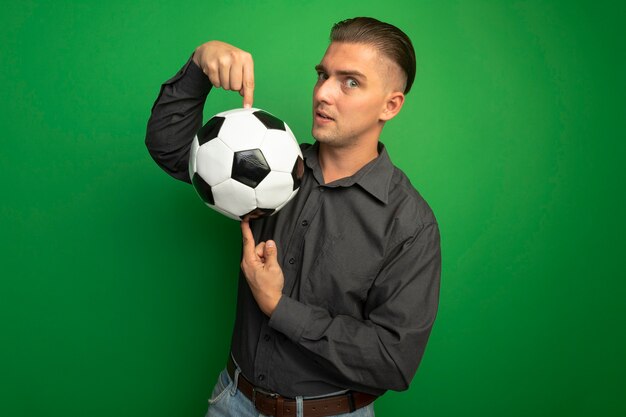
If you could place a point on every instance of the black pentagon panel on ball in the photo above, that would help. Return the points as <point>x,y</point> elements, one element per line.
<point>297,172</point>
<point>250,167</point>
<point>204,189</point>
<point>256,213</point>
<point>210,129</point>
<point>270,121</point>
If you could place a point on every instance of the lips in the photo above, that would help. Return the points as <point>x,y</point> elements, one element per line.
<point>323,115</point>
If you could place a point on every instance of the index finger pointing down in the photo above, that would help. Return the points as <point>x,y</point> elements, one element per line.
<point>248,84</point>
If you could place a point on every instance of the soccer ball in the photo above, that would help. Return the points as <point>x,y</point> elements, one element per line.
<point>245,163</point>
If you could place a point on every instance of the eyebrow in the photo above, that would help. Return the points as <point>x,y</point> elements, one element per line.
<point>353,73</point>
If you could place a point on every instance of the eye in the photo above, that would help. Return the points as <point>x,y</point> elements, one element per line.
<point>351,83</point>
<point>321,76</point>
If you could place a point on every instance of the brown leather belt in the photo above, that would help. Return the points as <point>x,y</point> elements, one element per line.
<point>276,405</point>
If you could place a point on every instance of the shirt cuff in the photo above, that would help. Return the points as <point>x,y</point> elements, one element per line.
<point>290,317</point>
<point>191,78</point>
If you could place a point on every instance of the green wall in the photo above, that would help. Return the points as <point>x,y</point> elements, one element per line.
<point>117,285</point>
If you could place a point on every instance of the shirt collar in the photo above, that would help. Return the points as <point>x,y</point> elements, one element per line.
<point>374,177</point>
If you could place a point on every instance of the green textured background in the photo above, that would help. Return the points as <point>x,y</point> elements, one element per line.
<point>117,285</point>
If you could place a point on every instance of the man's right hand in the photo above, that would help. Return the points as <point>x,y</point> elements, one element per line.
<point>227,67</point>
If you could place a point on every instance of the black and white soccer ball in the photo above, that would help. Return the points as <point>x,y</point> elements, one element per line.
<point>245,163</point>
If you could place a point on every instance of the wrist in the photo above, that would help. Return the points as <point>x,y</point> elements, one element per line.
<point>272,305</point>
<point>196,57</point>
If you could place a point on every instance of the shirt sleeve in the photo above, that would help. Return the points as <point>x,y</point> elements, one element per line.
<point>383,350</point>
<point>175,118</point>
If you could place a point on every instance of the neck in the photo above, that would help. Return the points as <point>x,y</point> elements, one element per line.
<point>341,162</point>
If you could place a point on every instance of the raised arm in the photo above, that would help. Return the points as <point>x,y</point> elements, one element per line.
<point>176,114</point>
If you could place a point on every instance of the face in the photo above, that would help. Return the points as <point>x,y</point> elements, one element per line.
<point>350,95</point>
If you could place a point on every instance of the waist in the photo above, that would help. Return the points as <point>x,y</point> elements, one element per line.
<point>273,404</point>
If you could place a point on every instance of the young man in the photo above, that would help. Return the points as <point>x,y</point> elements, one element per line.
<point>338,291</point>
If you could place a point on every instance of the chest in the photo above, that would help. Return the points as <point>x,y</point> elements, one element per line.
<point>333,248</point>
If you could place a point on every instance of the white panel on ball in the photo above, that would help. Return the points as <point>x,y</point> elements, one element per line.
<point>234,197</point>
<point>224,212</point>
<point>294,139</point>
<point>240,110</point>
<point>274,189</point>
<point>192,156</point>
<point>242,132</point>
<point>280,150</point>
<point>214,162</point>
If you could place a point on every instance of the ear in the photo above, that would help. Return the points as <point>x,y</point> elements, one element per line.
<point>393,104</point>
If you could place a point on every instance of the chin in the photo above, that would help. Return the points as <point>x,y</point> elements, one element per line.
<point>322,138</point>
<point>323,135</point>
<point>317,136</point>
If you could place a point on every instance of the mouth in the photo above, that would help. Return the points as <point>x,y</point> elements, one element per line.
<point>322,116</point>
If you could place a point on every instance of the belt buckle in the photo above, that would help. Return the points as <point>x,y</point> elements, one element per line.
<point>261,391</point>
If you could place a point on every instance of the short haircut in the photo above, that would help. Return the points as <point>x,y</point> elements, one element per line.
<point>388,39</point>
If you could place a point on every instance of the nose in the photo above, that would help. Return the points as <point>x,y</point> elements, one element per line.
<point>323,92</point>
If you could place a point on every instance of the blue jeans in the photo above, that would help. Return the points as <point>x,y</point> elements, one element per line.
<point>227,401</point>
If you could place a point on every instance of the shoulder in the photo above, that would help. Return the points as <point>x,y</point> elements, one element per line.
<point>412,211</point>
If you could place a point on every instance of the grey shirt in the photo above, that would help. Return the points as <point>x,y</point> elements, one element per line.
<point>361,259</point>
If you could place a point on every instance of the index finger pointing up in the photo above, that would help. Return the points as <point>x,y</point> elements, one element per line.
<point>248,240</point>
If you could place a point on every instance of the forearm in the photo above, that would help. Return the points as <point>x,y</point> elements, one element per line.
<point>361,354</point>
<point>175,118</point>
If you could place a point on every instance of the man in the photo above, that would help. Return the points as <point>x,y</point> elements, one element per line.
<point>338,291</point>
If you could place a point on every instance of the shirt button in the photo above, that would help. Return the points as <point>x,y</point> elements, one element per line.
<point>267,338</point>
<point>305,223</point>
<point>292,261</point>
<point>261,377</point>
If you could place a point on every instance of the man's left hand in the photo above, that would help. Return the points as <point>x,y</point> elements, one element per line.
<point>263,273</point>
